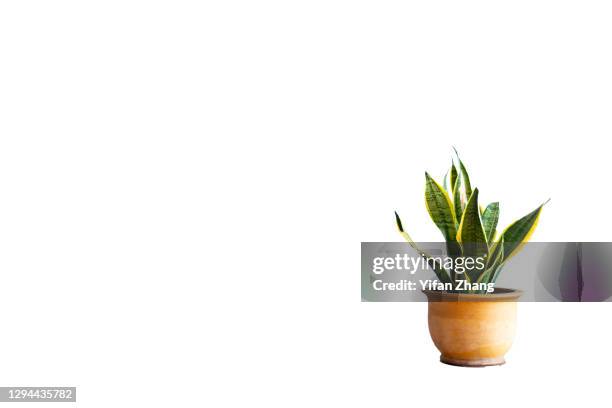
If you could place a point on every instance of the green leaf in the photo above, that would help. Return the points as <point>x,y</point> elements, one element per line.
<point>457,201</point>
<point>496,249</point>
<point>470,228</point>
<point>445,182</point>
<point>465,176</point>
<point>440,208</point>
<point>498,264</point>
<point>490,217</point>
<point>495,273</point>
<point>519,232</point>
<point>453,177</point>
<point>494,262</point>
<point>471,234</point>
<point>440,272</point>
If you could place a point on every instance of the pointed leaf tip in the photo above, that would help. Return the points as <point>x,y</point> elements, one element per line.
<point>453,178</point>
<point>398,222</point>
<point>519,232</point>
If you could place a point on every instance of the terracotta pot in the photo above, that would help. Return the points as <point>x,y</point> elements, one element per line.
<point>470,329</point>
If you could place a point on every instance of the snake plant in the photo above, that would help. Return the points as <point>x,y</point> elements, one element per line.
<point>470,230</point>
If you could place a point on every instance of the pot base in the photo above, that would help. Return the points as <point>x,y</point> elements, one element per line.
<point>483,362</point>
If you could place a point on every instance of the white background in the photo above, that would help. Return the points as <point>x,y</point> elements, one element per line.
<point>184,187</point>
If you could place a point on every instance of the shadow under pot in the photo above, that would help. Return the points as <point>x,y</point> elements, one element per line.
<point>472,330</point>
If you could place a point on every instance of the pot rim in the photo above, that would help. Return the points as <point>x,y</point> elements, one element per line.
<point>499,295</point>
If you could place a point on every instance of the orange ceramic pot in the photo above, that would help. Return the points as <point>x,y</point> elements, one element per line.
<point>472,330</point>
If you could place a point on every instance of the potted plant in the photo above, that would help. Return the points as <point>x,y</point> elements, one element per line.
<point>469,326</point>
